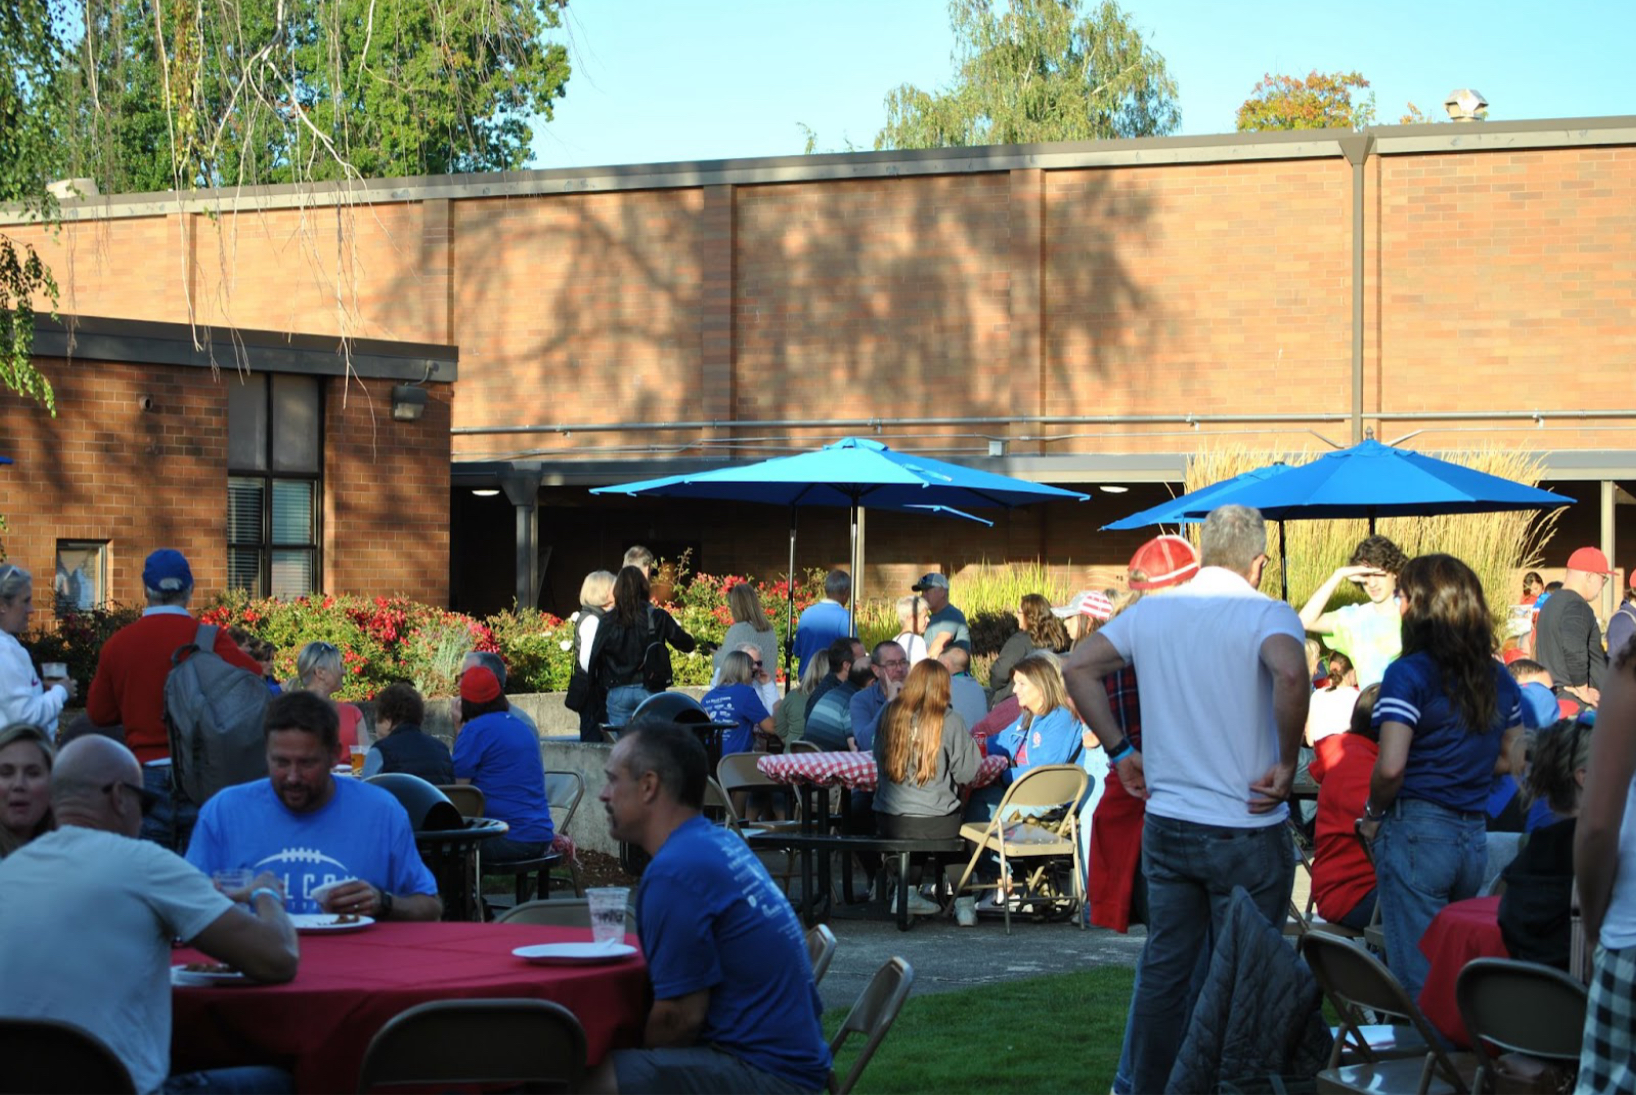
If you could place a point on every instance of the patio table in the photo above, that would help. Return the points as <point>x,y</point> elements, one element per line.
<point>852,772</point>
<point>351,984</point>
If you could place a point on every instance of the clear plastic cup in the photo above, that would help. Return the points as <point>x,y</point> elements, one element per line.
<point>234,883</point>
<point>608,913</point>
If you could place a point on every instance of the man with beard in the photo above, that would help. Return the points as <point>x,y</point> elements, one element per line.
<point>311,829</point>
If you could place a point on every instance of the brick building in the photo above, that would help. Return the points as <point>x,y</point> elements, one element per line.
<point>1083,314</point>
<point>289,478</point>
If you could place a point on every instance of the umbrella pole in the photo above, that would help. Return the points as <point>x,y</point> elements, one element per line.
<point>789,609</point>
<point>852,601</point>
<point>1283,564</point>
<point>1371,520</point>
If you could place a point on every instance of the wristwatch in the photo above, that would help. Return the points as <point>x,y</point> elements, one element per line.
<point>1369,811</point>
<point>386,905</point>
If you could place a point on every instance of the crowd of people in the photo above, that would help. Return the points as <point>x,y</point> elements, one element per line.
<point>1190,698</point>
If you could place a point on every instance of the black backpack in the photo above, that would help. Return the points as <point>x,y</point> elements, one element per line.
<point>214,711</point>
<point>656,674</point>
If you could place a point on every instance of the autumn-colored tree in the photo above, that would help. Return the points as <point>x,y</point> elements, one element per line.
<point>1321,100</point>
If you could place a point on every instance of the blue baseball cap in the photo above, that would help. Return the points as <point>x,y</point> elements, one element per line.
<point>166,570</point>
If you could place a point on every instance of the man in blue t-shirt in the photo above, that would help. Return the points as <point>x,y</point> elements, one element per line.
<point>311,829</point>
<point>825,621</point>
<point>735,1008</point>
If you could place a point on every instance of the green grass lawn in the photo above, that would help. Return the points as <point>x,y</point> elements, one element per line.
<point>1056,1033</point>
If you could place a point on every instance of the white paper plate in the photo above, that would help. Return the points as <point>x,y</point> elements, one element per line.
<point>195,979</point>
<point>574,954</point>
<point>329,922</point>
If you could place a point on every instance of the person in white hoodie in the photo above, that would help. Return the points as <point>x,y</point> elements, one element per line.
<point>24,697</point>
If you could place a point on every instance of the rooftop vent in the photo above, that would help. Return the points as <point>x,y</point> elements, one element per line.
<point>1466,105</point>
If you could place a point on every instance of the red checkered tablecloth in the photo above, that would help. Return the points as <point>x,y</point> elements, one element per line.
<point>855,771</point>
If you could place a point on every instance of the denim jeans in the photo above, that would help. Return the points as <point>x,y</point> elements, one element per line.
<point>243,1080</point>
<point>170,823</point>
<point>1426,856</point>
<point>1191,871</point>
<point>623,702</point>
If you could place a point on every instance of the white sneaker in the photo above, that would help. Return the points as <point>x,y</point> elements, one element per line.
<point>965,912</point>
<point>918,905</point>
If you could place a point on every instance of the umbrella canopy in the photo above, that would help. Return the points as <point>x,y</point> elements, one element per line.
<point>1196,505</point>
<point>1375,480</point>
<point>854,471</point>
<point>857,473</point>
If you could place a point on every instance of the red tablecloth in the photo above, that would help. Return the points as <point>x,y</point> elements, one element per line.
<point>1462,931</point>
<point>351,984</point>
<point>853,770</point>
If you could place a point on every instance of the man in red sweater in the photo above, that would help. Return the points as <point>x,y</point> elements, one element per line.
<point>128,689</point>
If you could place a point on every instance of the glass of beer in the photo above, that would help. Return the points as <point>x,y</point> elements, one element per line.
<point>358,754</point>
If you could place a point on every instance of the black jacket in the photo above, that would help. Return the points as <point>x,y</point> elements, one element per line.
<point>620,662</point>
<point>410,749</point>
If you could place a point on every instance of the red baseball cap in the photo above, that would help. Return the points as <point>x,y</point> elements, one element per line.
<point>479,685</point>
<point>1590,561</point>
<point>1164,561</point>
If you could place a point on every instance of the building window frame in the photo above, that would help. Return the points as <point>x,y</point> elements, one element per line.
<point>90,567</point>
<point>261,535</point>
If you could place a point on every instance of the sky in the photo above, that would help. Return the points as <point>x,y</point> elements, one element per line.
<point>656,80</point>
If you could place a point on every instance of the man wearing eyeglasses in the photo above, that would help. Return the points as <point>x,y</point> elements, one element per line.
<point>890,664</point>
<point>89,911</point>
<point>128,689</point>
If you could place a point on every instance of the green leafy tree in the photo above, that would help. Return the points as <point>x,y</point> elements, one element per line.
<point>1037,70</point>
<point>165,94</point>
<point>31,37</point>
<point>1321,100</point>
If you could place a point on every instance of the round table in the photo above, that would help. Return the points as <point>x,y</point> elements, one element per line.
<point>351,984</point>
<point>1460,932</point>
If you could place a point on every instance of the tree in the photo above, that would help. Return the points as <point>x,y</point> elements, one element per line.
<point>168,94</point>
<point>30,52</point>
<point>1037,70</point>
<point>1320,101</point>
<point>145,95</point>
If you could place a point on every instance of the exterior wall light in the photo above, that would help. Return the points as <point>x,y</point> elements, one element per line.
<point>409,400</point>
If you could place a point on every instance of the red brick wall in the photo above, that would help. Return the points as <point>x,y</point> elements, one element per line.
<point>104,469</point>
<point>386,493</point>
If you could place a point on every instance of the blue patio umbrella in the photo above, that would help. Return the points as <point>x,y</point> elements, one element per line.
<point>1373,480</point>
<point>857,473</point>
<point>1185,508</point>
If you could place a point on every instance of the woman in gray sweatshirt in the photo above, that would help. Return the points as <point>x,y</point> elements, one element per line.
<point>925,754</point>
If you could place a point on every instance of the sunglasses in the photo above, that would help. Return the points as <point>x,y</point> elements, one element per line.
<point>149,799</point>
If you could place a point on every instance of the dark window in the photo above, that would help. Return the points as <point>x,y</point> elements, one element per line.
<point>274,483</point>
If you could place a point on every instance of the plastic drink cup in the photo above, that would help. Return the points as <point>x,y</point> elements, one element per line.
<point>608,913</point>
<point>358,754</point>
<point>234,883</point>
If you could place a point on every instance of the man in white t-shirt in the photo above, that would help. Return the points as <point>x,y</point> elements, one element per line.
<point>1223,701</point>
<point>89,912</point>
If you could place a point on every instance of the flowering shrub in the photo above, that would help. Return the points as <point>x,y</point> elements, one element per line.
<point>386,639</point>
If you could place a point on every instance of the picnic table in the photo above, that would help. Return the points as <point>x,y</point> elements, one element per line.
<point>350,984</point>
<point>811,772</point>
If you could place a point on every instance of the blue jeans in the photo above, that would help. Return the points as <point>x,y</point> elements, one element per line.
<point>243,1080</point>
<point>1426,856</point>
<point>1362,913</point>
<point>170,824</point>
<point>623,702</point>
<point>1191,871</point>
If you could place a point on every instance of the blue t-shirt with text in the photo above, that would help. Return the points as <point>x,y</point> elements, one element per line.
<point>737,704</point>
<point>500,754</point>
<point>712,920</point>
<point>361,832</point>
